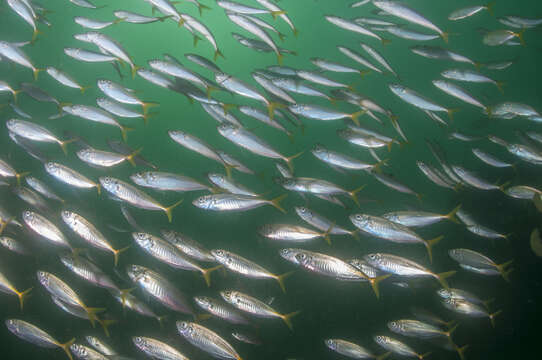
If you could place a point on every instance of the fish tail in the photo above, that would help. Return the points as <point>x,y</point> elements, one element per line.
<point>84,88</point>
<point>168,209</point>
<point>287,318</point>
<point>362,73</point>
<point>35,35</point>
<point>21,175</point>
<point>276,202</point>
<point>35,72</point>
<point>202,7</point>
<point>99,188</point>
<point>504,271</point>
<point>22,296</point>
<point>66,347</point>
<point>280,279</point>
<point>377,167</point>
<point>123,293</point>
<point>504,185</point>
<point>489,7</point>
<point>161,320</point>
<point>105,325</point>
<point>328,231</point>
<point>450,323</point>
<point>271,106</point>
<point>423,356</point>
<point>290,158</point>
<point>119,20</point>
<point>66,142</point>
<point>385,41</point>
<point>281,37</point>
<point>520,37</point>
<point>280,58</point>
<point>207,274</point>
<point>451,215</point>
<point>61,106</point>
<point>493,316</point>
<point>91,312</point>
<point>441,277</point>
<point>201,317</point>
<point>383,356</point>
<point>147,105</point>
<point>117,252</point>
<point>209,90</point>
<point>374,283</point>
<point>124,130</point>
<point>15,93</point>
<point>162,18</point>
<point>461,351</point>
<point>180,23</point>
<point>445,35</point>
<point>227,107</point>
<point>228,169</point>
<point>130,157</point>
<point>134,69</point>
<point>3,224</point>
<point>451,113</point>
<point>147,116</point>
<point>295,32</point>
<point>500,85</point>
<point>353,194</point>
<point>451,330</point>
<point>274,14</point>
<point>196,39</point>
<point>356,115</point>
<point>217,54</point>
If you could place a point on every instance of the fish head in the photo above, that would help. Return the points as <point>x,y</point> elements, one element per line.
<point>228,296</point>
<point>397,89</point>
<point>29,216</point>
<point>110,184</point>
<point>86,37</point>
<point>140,342</point>
<point>395,326</point>
<point>456,254</point>
<point>290,254</point>
<point>104,84</point>
<point>331,343</point>
<point>360,220</point>
<point>320,151</point>
<point>144,240</point>
<point>222,256</point>
<point>68,217</point>
<point>204,202</point>
<point>380,339</point>
<point>11,124</point>
<point>304,212</point>
<point>186,329</point>
<point>143,177</point>
<point>79,351</point>
<point>52,167</point>
<point>216,178</point>
<point>373,259</point>
<point>204,302</point>
<point>221,77</point>
<point>84,154</point>
<point>287,183</point>
<point>226,128</point>
<point>68,260</point>
<point>43,277</point>
<point>136,272</point>
<point>7,242</point>
<point>444,293</point>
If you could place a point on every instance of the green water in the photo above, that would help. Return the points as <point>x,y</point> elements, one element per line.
<point>329,308</point>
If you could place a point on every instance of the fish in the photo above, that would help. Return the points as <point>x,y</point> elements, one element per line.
<point>121,111</point>
<point>160,288</point>
<point>13,53</point>
<point>36,336</point>
<point>15,245</point>
<point>256,307</point>
<point>85,353</point>
<point>395,184</point>
<point>322,223</point>
<point>357,57</point>
<point>89,56</point>
<point>95,114</point>
<point>120,147</point>
<point>119,93</point>
<point>522,192</point>
<point>294,233</point>
<point>419,329</point>
<point>385,229</point>
<point>229,185</point>
<point>421,218</point>
<point>404,267</point>
<point>536,242</point>
<point>85,4</point>
<point>466,12</point>
<point>439,53</point>
<point>93,23</point>
<point>6,170</point>
<point>273,7</point>
<point>475,260</point>
<point>8,288</point>
<point>378,57</point>
<point>398,347</point>
<point>472,179</point>
<point>181,72</point>
<point>490,159</point>
<point>135,18</point>
<point>468,75</point>
<point>206,340</point>
<point>234,202</point>
<point>341,161</point>
<point>319,187</point>
<point>32,198</point>
<point>262,116</point>
<point>42,188</point>
<point>34,132</point>
<point>59,289</point>
<point>44,227</point>
<point>133,303</point>
<point>157,349</point>
<point>133,196</point>
<point>500,37</point>
<point>70,176</point>
<point>80,313</point>
<point>241,265</point>
<point>27,13</point>
<point>188,246</point>
<point>458,92</point>
<point>354,27</point>
<point>100,345</point>
<point>247,140</point>
<point>413,98</point>
<point>220,310</point>
<point>195,25</point>
<point>167,253</point>
<point>465,307</point>
<point>105,159</point>
<point>329,266</point>
<point>204,62</point>
<point>246,338</point>
<point>167,182</point>
<point>335,67</point>
<point>352,350</point>
<point>407,34</point>
<point>317,112</point>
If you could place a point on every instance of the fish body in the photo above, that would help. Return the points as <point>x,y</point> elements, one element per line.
<point>167,182</point>
<point>88,271</point>
<point>320,222</point>
<point>100,345</point>
<point>349,349</point>
<point>396,346</point>
<point>88,56</point>
<point>157,349</point>
<point>42,188</point>
<point>439,53</point>
<point>188,246</point>
<point>70,176</point>
<point>220,310</point>
<point>234,202</point>
<point>13,53</point>
<point>44,227</point>
<point>206,340</point>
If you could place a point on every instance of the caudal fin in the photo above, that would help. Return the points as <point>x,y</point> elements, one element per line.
<point>383,356</point>
<point>105,325</point>
<point>276,202</point>
<point>356,115</point>
<point>123,131</point>
<point>207,274</point>
<point>423,356</point>
<point>130,157</point>
<point>461,351</point>
<point>64,143</point>
<point>168,209</point>
<point>328,231</point>
<point>493,316</point>
<point>66,348</point>
<point>451,215</point>
<point>116,253</point>
<point>289,159</point>
<point>19,176</point>
<point>375,281</point>
<point>217,54</point>
<point>22,296</point>
<point>353,194</point>
<point>287,318</point>
<point>146,105</point>
<point>429,246</point>
<point>441,277</point>
<point>280,279</point>
<point>161,320</point>
<point>504,271</point>
<point>271,106</point>
<point>91,312</point>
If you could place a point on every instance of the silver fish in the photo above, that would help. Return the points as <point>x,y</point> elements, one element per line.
<point>157,349</point>
<point>220,310</point>
<point>206,340</point>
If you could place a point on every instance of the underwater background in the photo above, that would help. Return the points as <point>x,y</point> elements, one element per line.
<point>329,308</point>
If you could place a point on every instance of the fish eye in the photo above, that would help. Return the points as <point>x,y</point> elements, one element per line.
<point>359,217</point>
<point>301,257</point>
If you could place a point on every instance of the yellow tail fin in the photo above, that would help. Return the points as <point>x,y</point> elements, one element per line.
<point>504,271</point>
<point>91,312</point>
<point>22,296</point>
<point>168,209</point>
<point>328,231</point>
<point>19,176</point>
<point>66,347</point>
<point>280,279</point>
<point>36,72</point>
<point>375,281</point>
<point>130,157</point>
<point>161,320</point>
<point>451,215</point>
<point>207,274</point>
<point>276,202</point>
<point>493,316</point>
<point>116,253</point>
<point>146,105</point>
<point>429,246</point>
<point>105,325</point>
<point>84,88</point>
<point>123,293</point>
<point>461,351</point>
<point>98,188</point>
<point>64,143</point>
<point>149,115</point>
<point>289,159</point>
<point>356,115</point>
<point>287,319</point>
<point>423,356</point>
<point>217,54</point>
<point>441,277</point>
<point>123,131</point>
<point>354,192</point>
<point>271,106</point>
<point>383,356</point>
